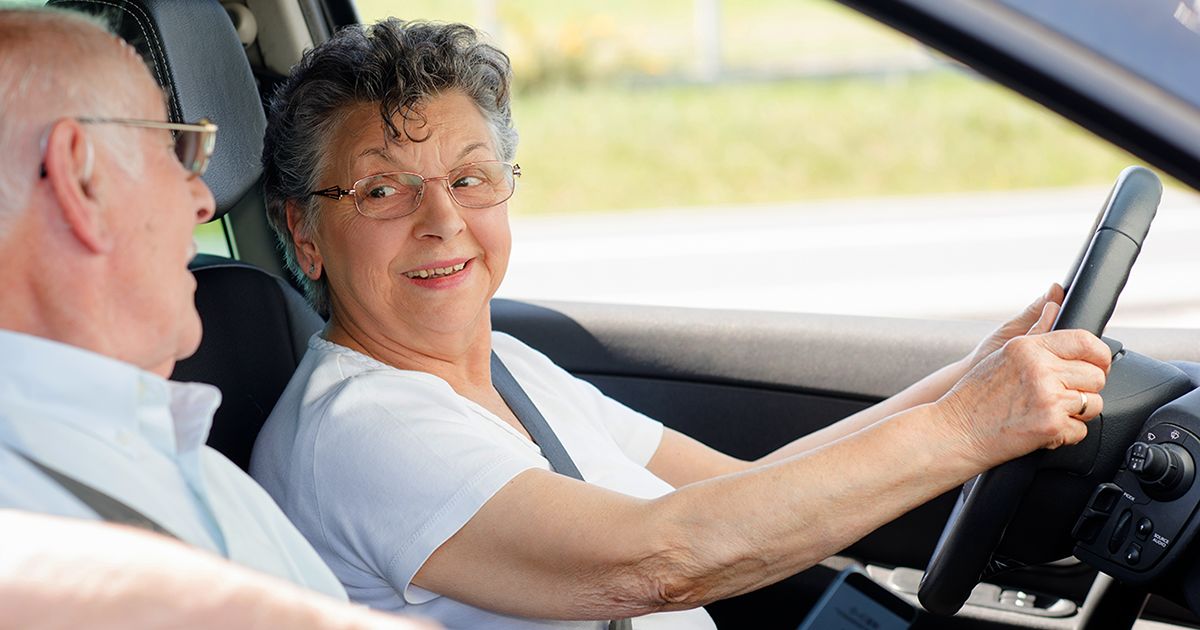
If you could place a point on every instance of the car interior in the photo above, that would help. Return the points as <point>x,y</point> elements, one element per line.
<point>744,382</point>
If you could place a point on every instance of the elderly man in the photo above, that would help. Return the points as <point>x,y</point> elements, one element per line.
<point>98,201</point>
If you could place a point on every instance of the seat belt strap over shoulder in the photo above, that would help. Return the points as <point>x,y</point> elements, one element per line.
<point>533,420</point>
<point>535,423</point>
<point>107,507</point>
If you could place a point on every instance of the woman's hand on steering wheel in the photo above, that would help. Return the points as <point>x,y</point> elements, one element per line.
<point>1036,391</point>
<point>1022,324</point>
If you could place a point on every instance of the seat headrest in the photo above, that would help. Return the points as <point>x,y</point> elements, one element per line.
<point>194,52</point>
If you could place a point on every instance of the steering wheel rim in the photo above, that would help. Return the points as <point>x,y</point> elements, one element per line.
<point>965,553</point>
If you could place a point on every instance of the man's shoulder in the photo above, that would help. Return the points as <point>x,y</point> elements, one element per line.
<point>228,484</point>
<point>24,487</point>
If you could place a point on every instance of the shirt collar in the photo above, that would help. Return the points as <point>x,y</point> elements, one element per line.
<point>99,394</point>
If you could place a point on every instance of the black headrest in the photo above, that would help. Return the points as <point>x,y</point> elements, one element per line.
<point>256,330</point>
<point>196,56</point>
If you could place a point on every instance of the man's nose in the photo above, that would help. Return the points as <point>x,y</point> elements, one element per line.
<point>206,205</point>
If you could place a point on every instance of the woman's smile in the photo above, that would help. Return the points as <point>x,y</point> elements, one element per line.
<point>440,274</point>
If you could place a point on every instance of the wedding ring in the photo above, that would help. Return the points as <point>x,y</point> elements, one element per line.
<point>1083,403</point>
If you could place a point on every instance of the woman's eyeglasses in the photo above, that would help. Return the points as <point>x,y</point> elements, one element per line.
<point>395,195</point>
<point>194,142</point>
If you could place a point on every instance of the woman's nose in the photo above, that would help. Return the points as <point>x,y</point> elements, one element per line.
<point>439,215</point>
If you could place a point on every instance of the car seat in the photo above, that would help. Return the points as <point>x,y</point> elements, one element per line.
<point>256,326</point>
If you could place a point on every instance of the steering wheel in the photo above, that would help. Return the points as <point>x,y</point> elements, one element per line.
<point>965,553</point>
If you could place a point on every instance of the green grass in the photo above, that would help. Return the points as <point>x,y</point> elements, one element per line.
<point>607,147</point>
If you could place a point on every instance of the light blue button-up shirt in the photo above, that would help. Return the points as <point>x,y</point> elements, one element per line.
<point>140,439</point>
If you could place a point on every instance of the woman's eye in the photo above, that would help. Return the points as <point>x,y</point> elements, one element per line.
<point>466,181</point>
<point>379,192</point>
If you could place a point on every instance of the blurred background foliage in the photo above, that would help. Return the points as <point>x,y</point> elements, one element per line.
<point>631,104</point>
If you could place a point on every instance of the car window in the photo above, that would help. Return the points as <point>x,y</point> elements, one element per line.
<point>211,238</point>
<point>792,156</point>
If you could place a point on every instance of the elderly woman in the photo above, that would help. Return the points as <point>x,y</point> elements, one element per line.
<point>388,167</point>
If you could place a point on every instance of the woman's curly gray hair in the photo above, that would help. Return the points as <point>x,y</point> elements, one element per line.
<point>394,64</point>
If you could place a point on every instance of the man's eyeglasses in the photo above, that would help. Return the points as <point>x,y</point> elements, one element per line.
<point>395,195</point>
<point>194,142</point>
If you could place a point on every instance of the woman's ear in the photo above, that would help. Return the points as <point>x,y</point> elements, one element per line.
<point>308,254</point>
<point>69,165</point>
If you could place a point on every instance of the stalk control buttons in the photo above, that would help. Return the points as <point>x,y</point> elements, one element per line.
<point>1164,470</point>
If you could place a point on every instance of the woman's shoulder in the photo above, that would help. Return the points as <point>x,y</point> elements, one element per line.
<point>334,381</point>
<point>329,367</point>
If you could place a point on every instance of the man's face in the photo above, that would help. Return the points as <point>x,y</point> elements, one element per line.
<point>153,216</point>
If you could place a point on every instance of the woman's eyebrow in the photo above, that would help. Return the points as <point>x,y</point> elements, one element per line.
<point>379,151</point>
<point>383,152</point>
<point>471,147</point>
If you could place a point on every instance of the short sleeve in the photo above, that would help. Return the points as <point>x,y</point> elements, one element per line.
<point>399,466</point>
<point>636,434</point>
<point>551,387</point>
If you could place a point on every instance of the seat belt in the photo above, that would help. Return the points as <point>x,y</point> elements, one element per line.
<point>109,508</point>
<point>535,423</point>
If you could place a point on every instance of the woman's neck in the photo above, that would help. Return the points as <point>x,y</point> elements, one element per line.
<point>462,359</point>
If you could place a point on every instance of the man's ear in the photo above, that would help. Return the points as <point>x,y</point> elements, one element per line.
<point>69,163</point>
<point>308,254</point>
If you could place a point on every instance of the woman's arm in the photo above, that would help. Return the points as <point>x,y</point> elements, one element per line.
<point>68,573</point>
<point>548,546</point>
<point>681,460</point>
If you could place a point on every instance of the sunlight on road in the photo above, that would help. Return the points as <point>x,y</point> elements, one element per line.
<point>977,256</point>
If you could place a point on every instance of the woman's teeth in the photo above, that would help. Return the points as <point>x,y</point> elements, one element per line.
<point>436,272</point>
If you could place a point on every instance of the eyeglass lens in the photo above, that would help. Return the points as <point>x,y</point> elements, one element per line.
<point>193,149</point>
<point>390,195</point>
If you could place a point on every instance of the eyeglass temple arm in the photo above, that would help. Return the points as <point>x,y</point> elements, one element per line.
<point>333,192</point>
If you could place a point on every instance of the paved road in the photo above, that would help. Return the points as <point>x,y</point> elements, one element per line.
<point>978,256</point>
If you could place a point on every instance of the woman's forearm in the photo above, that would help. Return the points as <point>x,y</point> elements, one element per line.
<point>749,529</point>
<point>786,517</point>
<point>551,547</point>
<point>927,389</point>
<point>924,391</point>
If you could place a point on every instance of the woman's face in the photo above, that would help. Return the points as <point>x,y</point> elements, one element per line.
<point>374,267</point>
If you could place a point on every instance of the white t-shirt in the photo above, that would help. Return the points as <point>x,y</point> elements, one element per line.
<point>378,467</point>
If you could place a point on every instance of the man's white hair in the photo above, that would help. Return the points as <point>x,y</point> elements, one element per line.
<point>56,64</point>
